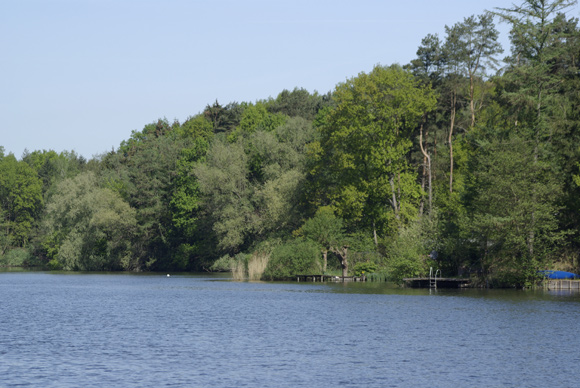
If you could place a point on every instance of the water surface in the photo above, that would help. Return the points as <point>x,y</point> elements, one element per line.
<point>124,330</point>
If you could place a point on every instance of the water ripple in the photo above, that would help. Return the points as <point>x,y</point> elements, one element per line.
<point>151,331</point>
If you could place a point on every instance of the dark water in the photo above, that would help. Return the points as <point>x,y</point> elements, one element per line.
<point>79,330</point>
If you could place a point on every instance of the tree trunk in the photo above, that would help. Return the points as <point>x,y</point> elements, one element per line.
<point>399,190</point>
<point>394,199</point>
<point>427,158</point>
<point>324,260</point>
<point>532,235</point>
<point>342,254</point>
<point>423,177</point>
<point>452,125</point>
<point>472,99</point>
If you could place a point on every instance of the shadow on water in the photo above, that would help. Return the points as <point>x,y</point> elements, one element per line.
<point>21,269</point>
<point>389,288</point>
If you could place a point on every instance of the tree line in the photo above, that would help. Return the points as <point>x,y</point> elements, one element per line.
<point>460,160</point>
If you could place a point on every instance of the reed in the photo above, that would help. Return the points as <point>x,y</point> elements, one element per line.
<point>239,269</point>
<point>249,267</point>
<point>257,265</point>
<point>377,277</point>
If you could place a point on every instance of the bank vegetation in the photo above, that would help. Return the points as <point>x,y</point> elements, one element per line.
<point>465,160</point>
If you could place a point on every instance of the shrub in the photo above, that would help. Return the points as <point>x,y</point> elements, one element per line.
<point>294,257</point>
<point>223,264</point>
<point>54,265</point>
<point>380,276</point>
<point>407,254</point>
<point>364,267</point>
<point>17,257</point>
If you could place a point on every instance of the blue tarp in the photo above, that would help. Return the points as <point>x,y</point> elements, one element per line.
<point>558,274</point>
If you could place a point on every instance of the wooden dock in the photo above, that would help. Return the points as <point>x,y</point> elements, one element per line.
<point>562,284</point>
<point>430,282</point>
<point>329,278</point>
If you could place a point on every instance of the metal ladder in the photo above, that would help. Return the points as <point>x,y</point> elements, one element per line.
<point>433,277</point>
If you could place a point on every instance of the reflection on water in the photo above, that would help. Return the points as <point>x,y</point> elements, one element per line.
<point>69,330</point>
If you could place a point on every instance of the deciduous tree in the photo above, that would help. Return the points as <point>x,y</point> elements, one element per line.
<point>365,142</point>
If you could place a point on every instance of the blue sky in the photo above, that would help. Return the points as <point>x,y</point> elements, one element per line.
<point>82,74</point>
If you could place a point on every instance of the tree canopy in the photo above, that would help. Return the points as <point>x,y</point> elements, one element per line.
<point>455,153</point>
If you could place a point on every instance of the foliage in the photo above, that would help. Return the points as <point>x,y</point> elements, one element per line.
<point>346,174</point>
<point>428,65</point>
<point>88,227</point>
<point>185,204</point>
<point>363,268</point>
<point>256,117</point>
<point>143,173</point>
<point>471,46</point>
<point>292,258</point>
<point>52,167</point>
<point>223,264</point>
<point>196,127</point>
<point>20,201</point>
<point>298,103</point>
<point>17,257</point>
<point>576,178</point>
<point>408,253</point>
<point>365,140</point>
<point>324,228</point>
<point>251,188</point>
<point>223,180</point>
<point>515,209</point>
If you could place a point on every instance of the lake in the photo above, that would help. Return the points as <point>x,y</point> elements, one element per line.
<point>150,330</point>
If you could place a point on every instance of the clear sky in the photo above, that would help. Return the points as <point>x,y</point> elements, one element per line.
<point>82,74</point>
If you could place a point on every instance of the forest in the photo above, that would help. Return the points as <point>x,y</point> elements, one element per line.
<point>466,159</point>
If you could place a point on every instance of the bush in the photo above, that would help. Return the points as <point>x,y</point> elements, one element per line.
<point>17,257</point>
<point>407,254</point>
<point>293,258</point>
<point>364,268</point>
<point>380,276</point>
<point>54,265</point>
<point>223,264</point>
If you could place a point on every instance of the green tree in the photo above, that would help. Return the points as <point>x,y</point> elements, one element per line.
<point>20,199</point>
<point>533,82</point>
<point>143,173</point>
<point>224,119</point>
<point>428,65</point>
<point>252,187</point>
<point>293,258</point>
<point>407,254</point>
<point>53,167</point>
<point>364,146</point>
<point>88,227</point>
<point>195,127</point>
<point>471,46</point>
<point>256,117</point>
<point>223,180</point>
<point>185,206</point>
<point>515,209</point>
<point>298,103</point>
<point>327,231</point>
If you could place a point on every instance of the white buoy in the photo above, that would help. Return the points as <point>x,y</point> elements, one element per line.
<point>168,275</point>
